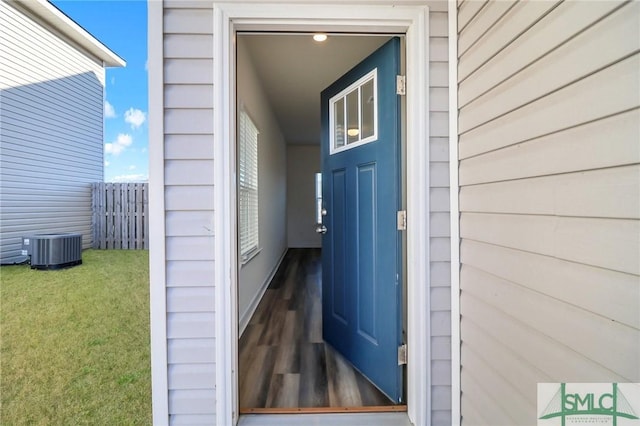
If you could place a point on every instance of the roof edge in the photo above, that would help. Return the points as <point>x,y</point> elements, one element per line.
<point>67,26</point>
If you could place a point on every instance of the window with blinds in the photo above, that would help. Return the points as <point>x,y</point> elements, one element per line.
<point>247,187</point>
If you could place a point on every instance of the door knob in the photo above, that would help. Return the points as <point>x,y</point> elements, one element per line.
<point>321,229</point>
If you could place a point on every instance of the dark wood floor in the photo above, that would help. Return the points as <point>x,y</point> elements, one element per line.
<point>284,363</point>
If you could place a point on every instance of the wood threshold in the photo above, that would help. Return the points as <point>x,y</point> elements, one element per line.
<point>317,410</point>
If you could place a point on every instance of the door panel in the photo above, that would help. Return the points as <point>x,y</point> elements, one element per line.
<point>339,191</point>
<point>361,247</point>
<point>365,217</point>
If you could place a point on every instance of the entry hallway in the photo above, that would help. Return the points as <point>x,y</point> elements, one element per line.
<point>284,362</point>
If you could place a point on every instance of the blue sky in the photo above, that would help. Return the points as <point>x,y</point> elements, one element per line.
<point>122,27</point>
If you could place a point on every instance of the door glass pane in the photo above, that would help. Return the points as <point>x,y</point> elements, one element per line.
<point>353,125</point>
<point>367,106</point>
<point>353,114</point>
<point>338,113</point>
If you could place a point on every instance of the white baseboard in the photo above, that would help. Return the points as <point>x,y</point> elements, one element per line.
<point>248,313</point>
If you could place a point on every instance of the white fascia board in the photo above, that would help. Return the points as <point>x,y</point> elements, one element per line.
<point>67,26</point>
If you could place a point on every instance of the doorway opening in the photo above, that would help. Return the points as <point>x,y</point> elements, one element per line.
<point>230,18</point>
<point>284,363</point>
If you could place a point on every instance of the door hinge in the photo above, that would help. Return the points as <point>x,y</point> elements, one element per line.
<point>402,354</point>
<point>401,84</point>
<point>402,220</point>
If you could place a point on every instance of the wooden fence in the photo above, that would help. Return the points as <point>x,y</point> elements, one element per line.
<point>120,218</point>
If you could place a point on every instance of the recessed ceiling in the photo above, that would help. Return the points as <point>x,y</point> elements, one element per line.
<point>294,69</point>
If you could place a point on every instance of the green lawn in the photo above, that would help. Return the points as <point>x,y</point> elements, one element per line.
<point>74,343</point>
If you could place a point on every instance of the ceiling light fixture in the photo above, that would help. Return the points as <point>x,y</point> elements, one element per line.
<point>353,132</point>
<point>319,37</point>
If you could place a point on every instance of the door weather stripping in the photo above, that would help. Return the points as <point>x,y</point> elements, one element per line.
<point>401,85</point>
<point>402,354</point>
<point>402,220</point>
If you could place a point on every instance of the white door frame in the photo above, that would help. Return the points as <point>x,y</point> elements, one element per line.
<point>361,18</point>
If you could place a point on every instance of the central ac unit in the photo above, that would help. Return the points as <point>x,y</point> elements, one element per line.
<point>53,251</point>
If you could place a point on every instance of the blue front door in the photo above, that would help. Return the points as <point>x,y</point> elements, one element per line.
<point>361,249</point>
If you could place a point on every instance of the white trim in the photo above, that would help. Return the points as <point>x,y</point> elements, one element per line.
<point>246,259</point>
<point>226,227</point>
<point>253,305</point>
<point>157,258</point>
<point>418,232</point>
<point>361,18</point>
<point>67,26</point>
<point>455,213</point>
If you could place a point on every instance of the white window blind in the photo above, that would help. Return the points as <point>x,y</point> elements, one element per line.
<point>248,186</point>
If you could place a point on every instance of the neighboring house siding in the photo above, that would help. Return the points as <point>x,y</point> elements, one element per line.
<point>190,212</point>
<point>189,189</point>
<point>549,199</point>
<point>51,138</point>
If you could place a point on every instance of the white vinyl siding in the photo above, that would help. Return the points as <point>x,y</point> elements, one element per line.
<point>51,132</point>
<point>247,186</point>
<point>188,121</point>
<point>440,242</point>
<point>190,213</point>
<point>549,100</point>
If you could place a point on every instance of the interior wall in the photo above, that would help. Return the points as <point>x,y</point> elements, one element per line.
<point>303,162</point>
<point>254,276</point>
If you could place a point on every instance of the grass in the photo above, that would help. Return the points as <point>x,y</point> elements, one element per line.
<point>74,343</point>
